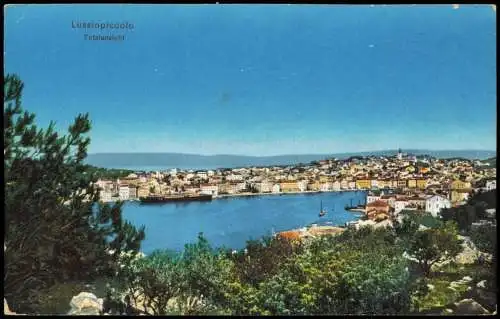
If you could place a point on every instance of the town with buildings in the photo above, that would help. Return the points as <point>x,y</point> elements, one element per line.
<point>392,183</point>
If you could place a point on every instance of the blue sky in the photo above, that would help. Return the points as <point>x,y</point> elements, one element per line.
<point>262,79</point>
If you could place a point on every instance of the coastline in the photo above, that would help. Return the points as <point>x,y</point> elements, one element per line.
<point>222,196</point>
<point>355,210</point>
<point>285,193</point>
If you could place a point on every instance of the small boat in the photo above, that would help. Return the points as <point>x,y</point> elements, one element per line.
<point>322,212</point>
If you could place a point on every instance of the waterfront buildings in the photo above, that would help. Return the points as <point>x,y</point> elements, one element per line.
<point>289,186</point>
<point>336,186</point>
<point>263,187</point>
<point>132,192</point>
<point>428,184</point>
<point>276,188</point>
<point>209,189</point>
<point>363,184</point>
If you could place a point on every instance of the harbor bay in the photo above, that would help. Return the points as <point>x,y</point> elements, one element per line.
<point>230,222</point>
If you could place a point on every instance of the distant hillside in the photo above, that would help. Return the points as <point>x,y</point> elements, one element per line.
<point>158,161</point>
<point>490,162</point>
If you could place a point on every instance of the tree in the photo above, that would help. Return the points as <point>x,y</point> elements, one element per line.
<point>263,259</point>
<point>161,278</point>
<point>435,245</point>
<point>485,239</point>
<point>55,230</point>
<point>208,272</point>
<point>200,280</point>
<point>406,229</point>
<point>474,210</point>
<point>357,272</point>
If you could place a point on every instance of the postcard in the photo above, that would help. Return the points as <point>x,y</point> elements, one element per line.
<point>250,159</point>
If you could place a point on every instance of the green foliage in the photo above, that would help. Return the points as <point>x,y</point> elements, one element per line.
<point>406,229</point>
<point>414,219</point>
<point>471,212</point>
<point>441,295</point>
<point>107,173</point>
<point>492,161</point>
<point>487,199</point>
<point>162,278</point>
<point>54,231</point>
<point>330,275</point>
<point>263,259</point>
<point>56,299</point>
<point>485,239</point>
<point>435,245</point>
<point>198,281</point>
<point>208,272</point>
<point>337,275</point>
<point>357,272</point>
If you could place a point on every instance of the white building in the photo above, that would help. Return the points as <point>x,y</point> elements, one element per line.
<point>374,183</point>
<point>132,192</point>
<point>344,184</point>
<point>435,203</point>
<point>234,177</point>
<point>336,186</point>
<point>256,179</point>
<point>302,185</point>
<point>263,187</point>
<point>371,198</point>
<point>100,183</point>
<point>237,187</point>
<point>105,196</point>
<point>491,185</point>
<point>325,187</point>
<point>209,189</point>
<point>399,205</point>
<point>276,188</point>
<point>352,185</point>
<point>124,192</point>
<point>202,174</point>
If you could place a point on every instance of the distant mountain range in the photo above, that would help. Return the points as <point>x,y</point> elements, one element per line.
<point>159,161</point>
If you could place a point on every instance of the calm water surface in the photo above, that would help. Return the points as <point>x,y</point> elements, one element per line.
<point>230,222</point>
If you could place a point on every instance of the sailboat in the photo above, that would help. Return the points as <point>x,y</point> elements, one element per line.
<point>322,212</point>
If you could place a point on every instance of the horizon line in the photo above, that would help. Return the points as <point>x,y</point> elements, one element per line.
<point>303,154</point>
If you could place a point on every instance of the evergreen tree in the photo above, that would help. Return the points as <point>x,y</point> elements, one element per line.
<point>55,229</point>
